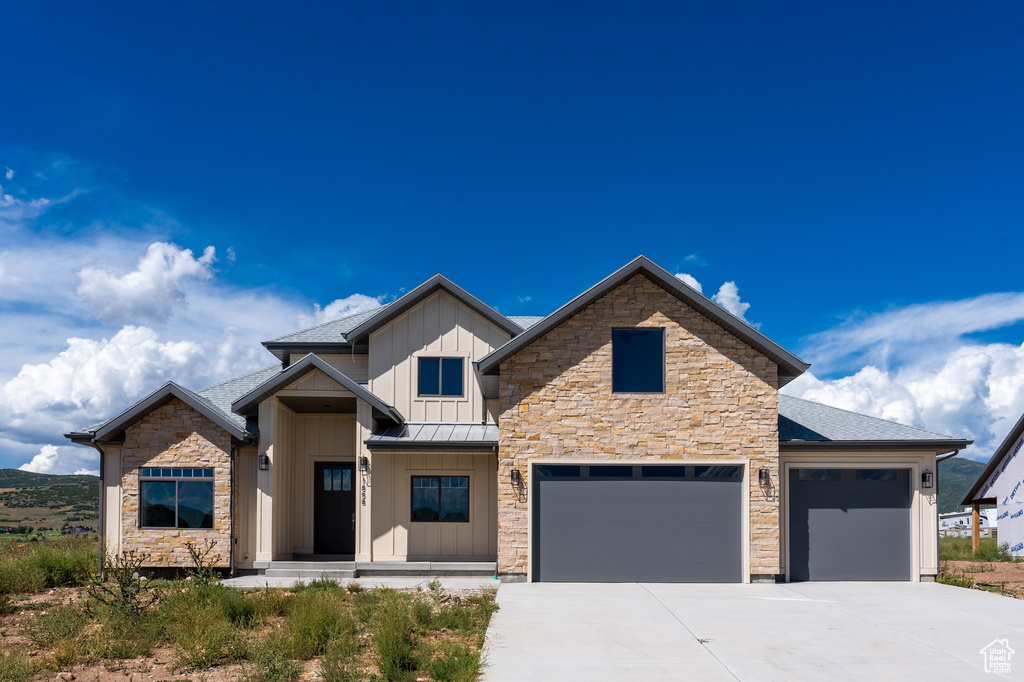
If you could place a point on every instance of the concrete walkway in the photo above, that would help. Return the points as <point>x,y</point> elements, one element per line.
<point>395,582</point>
<point>801,631</point>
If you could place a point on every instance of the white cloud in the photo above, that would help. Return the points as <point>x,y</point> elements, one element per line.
<point>690,280</point>
<point>63,460</point>
<point>9,175</point>
<point>153,291</point>
<point>728,297</point>
<point>914,365</point>
<point>356,303</point>
<point>525,299</point>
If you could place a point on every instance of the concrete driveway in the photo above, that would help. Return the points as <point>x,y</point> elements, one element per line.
<point>797,631</point>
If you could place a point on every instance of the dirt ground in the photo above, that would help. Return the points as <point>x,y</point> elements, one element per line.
<point>1004,577</point>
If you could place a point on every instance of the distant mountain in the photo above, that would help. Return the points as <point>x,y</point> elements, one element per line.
<point>46,500</point>
<point>956,476</point>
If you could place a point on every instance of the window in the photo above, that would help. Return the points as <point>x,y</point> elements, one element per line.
<point>638,360</point>
<point>440,498</point>
<point>176,498</point>
<point>337,480</point>
<point>440,376</point>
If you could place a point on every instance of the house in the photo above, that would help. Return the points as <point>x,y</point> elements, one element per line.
<point>1000,484</point>
<point>960,524</point>
<point>637,433</point>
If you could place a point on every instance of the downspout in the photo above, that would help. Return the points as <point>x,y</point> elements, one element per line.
<point>102,546</point>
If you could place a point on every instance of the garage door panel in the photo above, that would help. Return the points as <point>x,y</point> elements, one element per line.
<point>637,530</point>
<point>850,529</point>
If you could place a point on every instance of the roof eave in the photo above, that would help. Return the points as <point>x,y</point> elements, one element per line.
<point>421,292</point>
<point>790,366</point>
<point>945,445</point>
<point>254,397</point>
<point>993,462</point>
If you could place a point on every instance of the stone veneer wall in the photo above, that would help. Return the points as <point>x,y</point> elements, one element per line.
<point>175,435</point>
<point>720,400</point>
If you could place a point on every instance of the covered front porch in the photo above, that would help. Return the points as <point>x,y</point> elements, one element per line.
<point>321,495</point>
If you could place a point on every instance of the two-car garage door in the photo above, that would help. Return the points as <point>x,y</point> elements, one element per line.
<point>637,523</point>
<point>675,523</point>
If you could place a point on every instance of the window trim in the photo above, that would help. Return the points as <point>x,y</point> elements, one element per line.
<point>426,355</point>
<point>157,475</point>
<point>664,363</point>
<point>440,515</point>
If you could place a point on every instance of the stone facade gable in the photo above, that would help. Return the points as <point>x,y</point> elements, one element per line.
<point>175,435</point>
<point>556,402</point>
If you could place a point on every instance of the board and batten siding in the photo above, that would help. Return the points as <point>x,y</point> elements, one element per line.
<point>318,438</point>
<point>354,366</point>
<point>246,466</point>
<point>439,326</point>
<point>397,538</point>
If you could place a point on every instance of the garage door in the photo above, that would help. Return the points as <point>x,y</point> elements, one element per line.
<point>849,524</point>
<point>649,523</point>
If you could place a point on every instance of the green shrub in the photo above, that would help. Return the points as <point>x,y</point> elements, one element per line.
<point>126,635</point>
<point>203,571</point>
<point>269,603</point>
<point>366,604</point>
<point>960,549</point>
<point>63,564</point>
<point>14,664</point>
<point>340,661</point>
<point>49,628</point>
<point>392,637</point>
<point>270,663</point>
<point>314,619</point>
<point>321,584</point>
<point>122,587</point>
<point>455,663</point>
<point>205,638</point>
<point>422,613</point>
<point>955,578</point>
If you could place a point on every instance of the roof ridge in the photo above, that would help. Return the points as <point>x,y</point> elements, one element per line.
<point>335,320</point>
<point>865,416</point>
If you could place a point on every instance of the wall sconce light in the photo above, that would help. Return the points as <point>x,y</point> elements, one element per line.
<point>264,462</point>
<point>927,479</point>
<point>517,478</point>
<point>763,476</point>
<point>364,465</point>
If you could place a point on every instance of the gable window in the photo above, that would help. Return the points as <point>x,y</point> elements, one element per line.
<point>440,377</point>
<point>440,498</point>
<point>176,498</point>
<point>638,360</point>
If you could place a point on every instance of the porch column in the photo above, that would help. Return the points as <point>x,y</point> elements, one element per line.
<point>364,491</point>
<point>265,484</point>
<point>975,526</point>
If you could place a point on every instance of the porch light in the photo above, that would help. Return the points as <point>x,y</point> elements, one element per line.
<point>927,479</point>
<point>364,465</point>
<point>763,476</point>
<point>517,478</point>
<point>264,462</point>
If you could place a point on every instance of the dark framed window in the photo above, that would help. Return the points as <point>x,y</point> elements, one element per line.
<point>440,377</point>
<point>440,498</point>
<point>638,360</point>
<point>175,498</point>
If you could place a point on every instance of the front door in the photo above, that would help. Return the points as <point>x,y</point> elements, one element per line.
<point>334,519</point>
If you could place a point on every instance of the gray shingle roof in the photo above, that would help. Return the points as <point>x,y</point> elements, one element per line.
<point>526,321</point>
<point>328,332</point>
<point>223,394</point>
<point>435,435</point>
<point>803,420</point>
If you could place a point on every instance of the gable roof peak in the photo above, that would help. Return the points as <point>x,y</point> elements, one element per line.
<point>790,366</point>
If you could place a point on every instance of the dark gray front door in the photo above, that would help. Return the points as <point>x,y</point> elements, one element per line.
<point>334,525</point>
<point>625,523</point>
<point>849,524</point>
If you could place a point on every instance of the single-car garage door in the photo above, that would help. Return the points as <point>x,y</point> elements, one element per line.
<point>637,523</point>
<point>849,524</point>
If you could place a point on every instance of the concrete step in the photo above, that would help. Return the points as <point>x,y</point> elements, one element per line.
<point>310,574</point>
<point>427,568</point>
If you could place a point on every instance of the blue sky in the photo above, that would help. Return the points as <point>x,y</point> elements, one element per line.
<point>854,171</point>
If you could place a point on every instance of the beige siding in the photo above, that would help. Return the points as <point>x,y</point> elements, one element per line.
<point>112,498</point>
<point>318,438</point>
<point>396,538</point>
<point>440,326</point>
<point>245,507</point>
<point>924,518</point>
<point>355,367</point>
